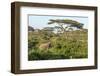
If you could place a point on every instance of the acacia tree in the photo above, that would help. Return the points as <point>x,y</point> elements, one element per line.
<point>65,24</point>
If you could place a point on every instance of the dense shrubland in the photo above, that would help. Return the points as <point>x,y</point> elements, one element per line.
<point>74,46</point>
<point>44,44</point>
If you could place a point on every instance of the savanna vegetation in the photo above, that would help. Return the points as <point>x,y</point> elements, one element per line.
<point>67,40</point>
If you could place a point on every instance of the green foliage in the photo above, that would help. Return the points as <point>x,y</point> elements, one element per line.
<point>30,28</point>
<point>72,47</point>
<point>61,22</point>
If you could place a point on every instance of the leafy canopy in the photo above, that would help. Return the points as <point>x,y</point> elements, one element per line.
<point>71,23</point>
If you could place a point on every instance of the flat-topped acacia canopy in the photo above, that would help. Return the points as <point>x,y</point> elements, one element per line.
<point>71,23</point>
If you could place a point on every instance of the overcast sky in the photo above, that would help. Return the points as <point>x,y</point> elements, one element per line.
<point>41,21</point>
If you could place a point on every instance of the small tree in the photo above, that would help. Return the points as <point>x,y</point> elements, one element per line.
<point>30,28</point>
